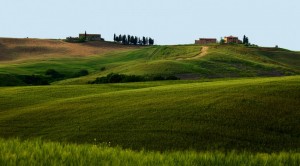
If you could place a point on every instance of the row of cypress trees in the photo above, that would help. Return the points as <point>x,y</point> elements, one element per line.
<point>133,40</point>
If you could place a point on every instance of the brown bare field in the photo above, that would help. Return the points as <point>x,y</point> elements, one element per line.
<point>12,49</point>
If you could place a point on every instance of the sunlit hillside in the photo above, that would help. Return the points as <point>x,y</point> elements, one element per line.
<point>34,56</point>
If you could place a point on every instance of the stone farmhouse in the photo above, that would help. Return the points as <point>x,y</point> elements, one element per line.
<point>91,37</point>
<point>88,37</point>
<point>232,39</point>
<point>206,41</point>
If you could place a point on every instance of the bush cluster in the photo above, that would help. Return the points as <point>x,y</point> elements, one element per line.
<point>121,78</point>
<point>50,76</point>
<point>22,80</point>
<point>54,75</point>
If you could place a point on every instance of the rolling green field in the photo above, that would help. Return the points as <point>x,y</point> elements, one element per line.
<point>184,61</point>
<point>234,105</point>
<point>257,114</point>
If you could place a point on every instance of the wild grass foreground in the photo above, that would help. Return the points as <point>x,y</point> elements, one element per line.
<point>37,152</point>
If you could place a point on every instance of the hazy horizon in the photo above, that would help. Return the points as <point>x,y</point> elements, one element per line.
<point>266,23</point>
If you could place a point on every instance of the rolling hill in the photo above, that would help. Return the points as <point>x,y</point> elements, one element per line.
<point>33,56</point>
<point>228,98</point>
<point>260,114</point>
<point>23,49</point>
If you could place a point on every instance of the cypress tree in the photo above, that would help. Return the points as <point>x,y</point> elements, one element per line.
<point>128,38</point>
<point>124,39</point>
<point>144,40</point>
<point>120,38</point>
<point>135,40</point>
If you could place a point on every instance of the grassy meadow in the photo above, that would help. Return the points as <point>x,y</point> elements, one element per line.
<point>184,61</point>
<point>234,105</point>
<point>259,115</point>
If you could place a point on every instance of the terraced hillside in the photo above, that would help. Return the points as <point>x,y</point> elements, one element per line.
<point>256,114</point>
<point>31,56</point>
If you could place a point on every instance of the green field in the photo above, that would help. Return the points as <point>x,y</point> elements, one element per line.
<point>234,105</point>
<point>184,61</point>
<point>259,114</point>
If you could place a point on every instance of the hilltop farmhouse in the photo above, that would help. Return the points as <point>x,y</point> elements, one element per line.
<point>206,41</point>
<point>227,40</point>
<point>86,37</point>
<point>232,39</point>
<point>91,37</point>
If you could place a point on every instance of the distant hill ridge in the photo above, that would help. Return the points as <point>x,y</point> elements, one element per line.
<point>99,58</point>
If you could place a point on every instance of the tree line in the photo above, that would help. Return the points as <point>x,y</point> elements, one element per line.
<point>133,40</point>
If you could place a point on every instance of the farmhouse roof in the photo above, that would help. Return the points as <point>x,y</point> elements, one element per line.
<point>207,38</point>
<point>231,36</point>
<point>89,34</point>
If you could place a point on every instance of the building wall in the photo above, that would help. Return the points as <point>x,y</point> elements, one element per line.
<point>91,37</point>
<point>231,40</point>
<point>205,41</point>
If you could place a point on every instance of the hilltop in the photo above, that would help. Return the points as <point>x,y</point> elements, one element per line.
<point>13,49</point>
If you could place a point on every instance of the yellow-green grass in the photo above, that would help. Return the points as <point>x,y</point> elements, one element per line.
<point>37,152</point>
<point>255,114</point>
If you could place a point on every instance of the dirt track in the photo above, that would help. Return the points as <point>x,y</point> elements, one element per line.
<point>203,52</point>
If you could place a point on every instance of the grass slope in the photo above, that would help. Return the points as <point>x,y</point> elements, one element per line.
<point>37,152</point>
<point>41,49</point>
<point>257,114</point>
<point>183,61</point>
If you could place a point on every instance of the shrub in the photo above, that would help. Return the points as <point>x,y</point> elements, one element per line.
<point>22,80</point>
<point>10,80</point>
<point>102,68</point>
<point>133,78</point>
<point>158,78</point>
<point>35,80</point>
<point>81,39</point>
<point>118,78</point>
<point>172,78</point>
<point>54,74</point>
<point>115,78</point>
<point>82,72</point>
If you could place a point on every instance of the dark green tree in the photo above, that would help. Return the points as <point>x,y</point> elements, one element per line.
<point>222,41</point>
<point>128,39</point>
<point>245,40</point>
<point>131,40</point>
<point>135,40</point>
<point>120,38</point>
<point>151,41</point>
<point>144,40</point>
<point>124,39</point>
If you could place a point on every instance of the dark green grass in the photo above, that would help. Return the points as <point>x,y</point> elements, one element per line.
<point>258,115</point>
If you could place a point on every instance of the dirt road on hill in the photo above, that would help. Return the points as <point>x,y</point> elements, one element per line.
<point>203,52</point>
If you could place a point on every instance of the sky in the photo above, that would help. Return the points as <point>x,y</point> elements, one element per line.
<point>265,22</point>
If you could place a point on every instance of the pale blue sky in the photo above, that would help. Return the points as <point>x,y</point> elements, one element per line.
<point>265,22</point>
